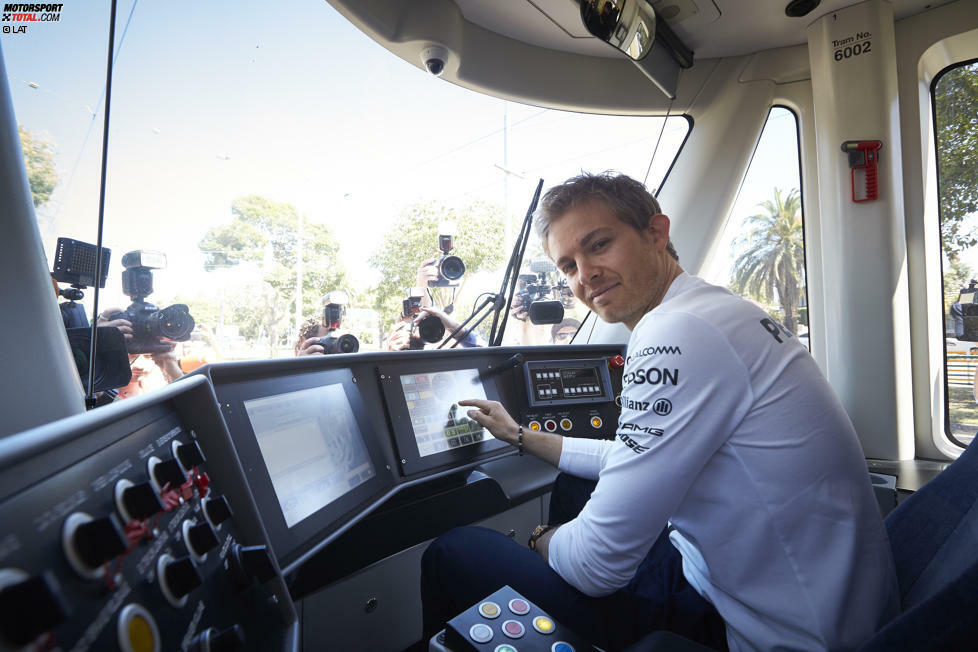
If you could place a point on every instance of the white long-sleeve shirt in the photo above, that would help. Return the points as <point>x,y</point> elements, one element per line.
<point>729,432</point>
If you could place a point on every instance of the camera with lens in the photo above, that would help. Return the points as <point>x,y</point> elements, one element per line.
<point>149,323</point>
<point>334,306</point>
<point>429,328</point>
<point>543,301</point>
<point>451,269</point>
<point>964,313</point>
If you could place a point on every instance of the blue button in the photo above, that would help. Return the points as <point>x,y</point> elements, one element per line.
<point>560,646</point>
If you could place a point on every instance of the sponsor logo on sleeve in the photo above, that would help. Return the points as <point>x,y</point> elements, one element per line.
<point>776,330</point>
<point>653,376</point>
<point>631,443</point>
<point>634,405</point>
<point>653,350</point>
<point>662,407</point>
<point>648,430</point>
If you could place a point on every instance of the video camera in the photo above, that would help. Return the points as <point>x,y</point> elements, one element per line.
<point>430,328</point>
<point>74,263</point>
<point>451,269</point>
<point>333,309</point>
<point>543,301</point>
<point>964,313</point>
<point>149,323</point>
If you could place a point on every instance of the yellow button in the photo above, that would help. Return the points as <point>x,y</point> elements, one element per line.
<point>543,625</point>
<point>596,422</point>
<point>141,635</point>
<point>565,424</point>
<point>489,609</point>
<point>534,426</point>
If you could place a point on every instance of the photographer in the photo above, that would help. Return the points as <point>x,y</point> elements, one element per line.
<point>401,335</point>
<point>143,379</point>
<point>565,331</point>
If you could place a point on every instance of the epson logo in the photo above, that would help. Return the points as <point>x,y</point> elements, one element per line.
<point>653,376</point>
<point>634,427</point>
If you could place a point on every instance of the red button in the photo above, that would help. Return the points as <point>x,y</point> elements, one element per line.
<point>519,607</point>
<point>616,362</point>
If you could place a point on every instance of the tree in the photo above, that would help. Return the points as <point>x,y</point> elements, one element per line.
<point>264,235</point>
<point>774,255</point>
<point>956,104</point>
<point>39,160</point>
<point>414,238</point>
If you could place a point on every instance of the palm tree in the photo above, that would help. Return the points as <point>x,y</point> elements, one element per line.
<point>773,258</point>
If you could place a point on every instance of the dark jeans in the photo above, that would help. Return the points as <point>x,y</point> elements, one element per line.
<point>466,564</point>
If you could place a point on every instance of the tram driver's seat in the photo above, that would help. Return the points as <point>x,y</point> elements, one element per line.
<point>934,536</point>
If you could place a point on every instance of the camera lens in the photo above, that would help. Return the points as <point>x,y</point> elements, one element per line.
<point>175,322</point>
<point>342,344</point>
<point>452,268</point>
<point>431,329</point>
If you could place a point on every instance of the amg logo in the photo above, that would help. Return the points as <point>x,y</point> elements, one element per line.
<point>631,443</point>
<point>657,432</point>
<point>653,376</point>
<point>634,405</point>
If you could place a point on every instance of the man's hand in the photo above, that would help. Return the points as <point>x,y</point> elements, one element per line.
<point>124,325</point>
<point>449,323</point>
<point>168,362</point>
<point>428,271</point>
<point>543,544</point>
<point>492,416</point>
<point>399,337</point>
<point>310,347</point>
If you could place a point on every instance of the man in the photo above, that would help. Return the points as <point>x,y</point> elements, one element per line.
<point>734,506</point>
<point>564,332</point>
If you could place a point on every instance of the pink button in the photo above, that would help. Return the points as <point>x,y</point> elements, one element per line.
<point>519,607</point>
<point>513,629</point>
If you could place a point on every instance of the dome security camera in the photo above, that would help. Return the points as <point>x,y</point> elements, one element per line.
<point>434,58</point>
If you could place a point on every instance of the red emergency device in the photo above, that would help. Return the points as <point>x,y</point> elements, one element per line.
<point>863,155</point>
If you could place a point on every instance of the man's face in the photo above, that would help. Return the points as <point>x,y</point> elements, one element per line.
<point>618,272</point>
<point>565,335</point>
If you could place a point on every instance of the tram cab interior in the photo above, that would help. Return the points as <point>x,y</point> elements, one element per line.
<point>160,522</point>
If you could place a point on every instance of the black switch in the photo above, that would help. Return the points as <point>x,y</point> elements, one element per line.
<point>30,608</point>
<point>217,509</point>
<point>231,639</point>
<point>141,501</point>
<point>169,471</point>
<point>201,538</point>
<point>181,577</point>
<point>190,455</point>
<point>100,540</point>
<point>255,562</point>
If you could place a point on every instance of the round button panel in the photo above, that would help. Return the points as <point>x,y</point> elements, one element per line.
<point>519,607</point>
<point>480,633</point>
<point>513,629</point>
<point>596,422</point>
<point>505,647</point>
<point>543,625</point>
<point>561,646</point>
<point>535,426</point>
<point>137,630</point>
<point>489,610</point>
<point>566,424</point>
<point>550,425</point>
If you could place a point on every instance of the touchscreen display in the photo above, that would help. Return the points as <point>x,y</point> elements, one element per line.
<point>438,421</point>
<point>311,446</point>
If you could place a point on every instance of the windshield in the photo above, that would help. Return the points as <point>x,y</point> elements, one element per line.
<point>275,162</point>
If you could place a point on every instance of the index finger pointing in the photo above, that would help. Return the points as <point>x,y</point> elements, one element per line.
<point>477,402</point>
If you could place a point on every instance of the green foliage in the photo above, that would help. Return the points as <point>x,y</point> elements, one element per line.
<point>266,234</point>
<point>772,263</point>
<point>956,103</point>
<point>39,160</point>
<point>413,238</point>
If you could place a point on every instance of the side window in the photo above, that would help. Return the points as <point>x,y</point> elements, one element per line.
<point>955,97</point>
<point>761,253</point>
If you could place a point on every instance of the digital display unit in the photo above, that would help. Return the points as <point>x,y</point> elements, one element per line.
<point>437,420</point>
<point>312,448</point>
<point>431,429</point>
<point>552,382</point>
<point>310,452</point>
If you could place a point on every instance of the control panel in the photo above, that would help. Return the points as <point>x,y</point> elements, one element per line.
<point>119,536</point>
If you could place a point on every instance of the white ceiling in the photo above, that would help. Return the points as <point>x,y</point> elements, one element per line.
<point>710,28</point>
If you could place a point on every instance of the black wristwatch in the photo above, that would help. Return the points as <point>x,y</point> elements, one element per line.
<point>538,532</point>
